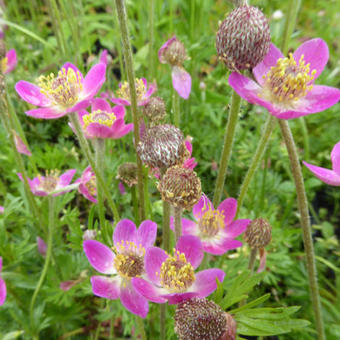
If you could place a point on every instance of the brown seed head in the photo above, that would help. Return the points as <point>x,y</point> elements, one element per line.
<point>175,53</point>
<point>127,173</point>
<point>154,110</point>
<point>243,38</point>
<point>258,233</point>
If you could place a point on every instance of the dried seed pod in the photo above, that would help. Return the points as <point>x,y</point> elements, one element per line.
<point>172,52</point>
<point>127,173</point>
<point>258,233</point>
<point>243,38</point>
<point>181,187</point>
<point>154,110</point>
<point>161,146</point>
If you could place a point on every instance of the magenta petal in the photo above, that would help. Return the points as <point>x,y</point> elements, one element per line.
<point>325,175</point>
<point>46,113</point>
<point>106,287</point>
<point>191,246</point>
<point>269,60</point>
<point>68,65</point>
<point>94,80</point>
<point>11,61</point>
<point>148,290</point>
<point>119,111</point>
<point>103,57</point>
<point>100,104</point>
<point>133,301</point>
<point>66,177</point>
<point>154,257</point>
<point>121,188</point>
<point>228,208</point>
<point>42,247</point>
<point>163,48</point>
<point>263,259</point>
<point>120,101</point>
<point>97,130</point>
<point>315,52</point>
<point>181,81</point>
<point>236,228</point>
<point>100,256</point>
<point>83,104</point>
<point>125,232</point>
<point>124,130</point>
<point>205,282</point>
<point>31,93</point>
<point>3,291</point>
<point>176,298</point>
<point>221,246</point>
<point>189,227</point>
<point>201,207</point>
<point>335,157</point>
<point>146,233</point>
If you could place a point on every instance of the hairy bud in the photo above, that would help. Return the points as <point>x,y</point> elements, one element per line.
<point>172,52</point>
<point>258,233</point>
<point>127,173</point>
<point>154,110</point>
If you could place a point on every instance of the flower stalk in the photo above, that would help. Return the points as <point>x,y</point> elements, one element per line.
<point>141,328</point>
<point>176,109</point>
<point>178,222</point>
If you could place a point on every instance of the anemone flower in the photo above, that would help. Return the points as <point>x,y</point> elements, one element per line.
<point>331,177</point>
<point>87,184</point>
<point>142,91</point>
<point>216,228</point>
<point>173,52</point>
<point>285,86</point>
<point>172,278</point>
<point>3,290</point>
<point>122,264</point>
<point>9,62</point>
<point>104,121</point>
<point>52,182</point>
<point>59,95</point>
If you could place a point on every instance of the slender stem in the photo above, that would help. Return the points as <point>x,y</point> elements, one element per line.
<point>166,226</point>
<point>135,204</point>
<point>178,222</point>
<point>261,147</point>
<point>162,320</point>
<point>252,259</point>
<point>51,221</point>
<point>176,109</point>
<point>88,154</point>
<point>228,142</point>
<point>306,227</point>
<point>151,64</point>
<point>122,18</point>
<point>141,328</point>
<point>100,162</point>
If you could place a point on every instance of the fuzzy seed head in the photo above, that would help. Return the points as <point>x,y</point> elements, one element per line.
<point>243,38</point>
<point>258,233</point>
<point>161,146</point>
<point>154,110</point>
<point>127,173</point>
<point>180,187</point>
<point>175,53</point>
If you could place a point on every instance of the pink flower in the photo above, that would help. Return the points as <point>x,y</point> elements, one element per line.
<point>41,246</point>
<point>331,177</point>
<point>285,86</point>
<point>51,183</point>
<point>3,290</point>
<point>21,146</point>
<point>104,121</point>
<point>87,186</point>
<point>121,188</point>
<point>173,52</point>
<point>216,229</point>
<point>67,285</point>
<point>66,93</point>
<point>125,263</point>
<point>9,62</point>
<point>143,93</point>
<point>189,163</point>
<point>2,209</point>
<point>172,278</point>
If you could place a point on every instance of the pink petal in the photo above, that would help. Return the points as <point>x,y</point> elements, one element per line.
<point>120,101</point>
<point>100,256</point>
<point>66,177</point>
<point>188,227</point>
<point>263,259</point>
<point>100,104</point>
<point>154,257</point>
<point>228,208</point>
<point>103,57</point>
<point>81,105</point>
<point>205,282</point>
<point>152,89</point>
<point>221,246</point>
<point>147,233</point>
<point>21,146</point>
<point>133,301</point>
<point>191,246</point>
<point>119,111</point>
<point>163,48</point>
<point>188,145</point>
<point>236,228</point>
<point>3,291</point>
<point>121,188</point>
<point>41,246</point>
<point>68,65</point>
<point>31,93</point>
<point>315,52</point>
<point>11,61</point>
<point>148,290</point>
<point>94,80</point>
<point>175,298</point>
<point>264,66</point>
<point>124,130</point>
<point>106,287</point>
<point>125,232</point>
<point>97,130</point>
<point>67,285</point>
<point>325,175</point>
<point>335,157</point>
<point>201,207</point>
<point>46,113</point>
<point>181,81</point>
<point>2,210</point>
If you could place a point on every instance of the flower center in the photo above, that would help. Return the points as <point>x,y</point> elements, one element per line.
<point>101,117</point>
<point>62,90</point>
<point>176,273</point>
<point>49,182</point>
<point>288,81</point>
<point>124,91</point>
<point>3,64</point>
<point>211,222</point>
<point>92,186</point>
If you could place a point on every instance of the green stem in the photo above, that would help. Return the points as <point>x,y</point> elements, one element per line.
<point>162,320</point>
<point>178,223</point>
<point>228,143</point>
<point>88,154</point>
<point>127,52</point>
<point>305,224</point>
<point>151,64</point>
<point>51,221</point>
<point>261,147</point>
<point>100,162</point>
<point>166,226</point>
<point>135,204</point>
<point>141,329</point>
<point>252,259</point>
<point>176,109</point>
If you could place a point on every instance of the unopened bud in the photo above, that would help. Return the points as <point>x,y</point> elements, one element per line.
<point>172,52</point>
<point>127,173</point>
<point>258,233</point>
<point>154,110</point>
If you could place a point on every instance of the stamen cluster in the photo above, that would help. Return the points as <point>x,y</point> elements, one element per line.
<point>100,117</point>
<point>211,222</point>
<point>124,90</point>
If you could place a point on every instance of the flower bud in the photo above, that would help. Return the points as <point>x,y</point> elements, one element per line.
<point>200,319</point>
<point>258,233</point>
<point>161,146</point>
<point>172,52</point>
<point>127,173</point>
<point>181,187</point>
<point>243,38</point>
<point>154,110</point>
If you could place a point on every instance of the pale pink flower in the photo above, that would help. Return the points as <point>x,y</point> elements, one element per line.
<point>9,62</point>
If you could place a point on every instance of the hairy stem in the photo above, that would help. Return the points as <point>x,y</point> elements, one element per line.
<point>100,162</point>
<point>141,329</point>
<point>252,259</point>
<point>178,223</point>
<point>151,39</point>
<point>176,109</point>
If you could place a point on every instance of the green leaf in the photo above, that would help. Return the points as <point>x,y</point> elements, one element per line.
<point>251,304</point>
<point>12,335</point>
